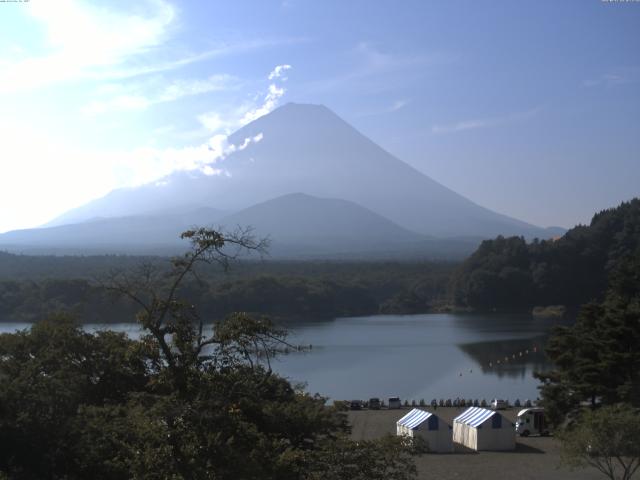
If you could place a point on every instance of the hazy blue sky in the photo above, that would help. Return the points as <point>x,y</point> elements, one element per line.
<point>529,108</point>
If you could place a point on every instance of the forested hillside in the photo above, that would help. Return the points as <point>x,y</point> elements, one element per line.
<point>509,273</point>
<point>30,287</point>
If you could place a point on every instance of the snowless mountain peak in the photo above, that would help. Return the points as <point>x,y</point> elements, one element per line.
<point>309,149</point>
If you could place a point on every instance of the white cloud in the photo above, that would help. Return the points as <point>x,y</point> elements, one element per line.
<point>120,102</point>
<point>278,72</point>
<point>464,125</point>
<point>397,105</point>
<point>484,122</point>
<point>169,93</point>
<point>270,102</point>
<point>216,121</point>
<point>373,70</point>
<point>182,88</point>
<point>83,40</point>
<point>144,165</point>
<point>394,107</point>
<point>152,163</point>
<point>224,49</point>
<point>612,79</point>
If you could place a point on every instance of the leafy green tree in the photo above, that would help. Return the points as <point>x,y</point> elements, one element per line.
<point>47,374</point>
<point>606,439</point>
<point>342,459</point>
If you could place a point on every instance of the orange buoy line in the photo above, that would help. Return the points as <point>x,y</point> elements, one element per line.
<point>514,356</point>
<point>506,359</point>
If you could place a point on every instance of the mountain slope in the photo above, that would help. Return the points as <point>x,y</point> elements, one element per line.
<point>309,149</point>
<point>322,225</point>
<point>132,234</point>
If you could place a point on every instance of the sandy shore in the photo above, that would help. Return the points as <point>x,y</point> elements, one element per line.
<point>534,457</point>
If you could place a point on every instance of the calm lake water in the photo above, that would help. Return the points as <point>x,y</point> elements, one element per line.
<point>411,356</point>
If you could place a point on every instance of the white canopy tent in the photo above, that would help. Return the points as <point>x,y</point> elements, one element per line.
<point>430,427</point>
<point>481,429</point>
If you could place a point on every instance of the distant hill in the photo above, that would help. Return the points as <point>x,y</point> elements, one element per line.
<point>322,225</point>
<point>509,273</point>
<point>311,227</point>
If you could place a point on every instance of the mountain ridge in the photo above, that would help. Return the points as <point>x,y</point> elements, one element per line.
<point>310,150</point>
<point>314,151</point>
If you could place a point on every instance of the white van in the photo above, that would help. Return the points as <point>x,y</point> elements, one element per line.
<point>531,421</point>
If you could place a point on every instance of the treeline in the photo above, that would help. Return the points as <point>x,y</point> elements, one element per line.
<point>292,290</point>
<point>509,273</point>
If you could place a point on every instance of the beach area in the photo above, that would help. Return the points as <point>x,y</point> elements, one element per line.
<point>534,457</point>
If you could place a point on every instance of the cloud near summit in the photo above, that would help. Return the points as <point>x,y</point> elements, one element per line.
<point>278,72</point>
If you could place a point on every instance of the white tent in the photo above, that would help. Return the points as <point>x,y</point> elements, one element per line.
<point>429,426</point>
<point>481,429</point>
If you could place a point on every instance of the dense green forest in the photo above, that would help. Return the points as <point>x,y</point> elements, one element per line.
<point>509,273</point>
<point>30,287</point>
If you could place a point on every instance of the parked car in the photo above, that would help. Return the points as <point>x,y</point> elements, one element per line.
<point>355,405</point>
<point>374,403</point>
<point>498,404</point>
<point>394,402</point>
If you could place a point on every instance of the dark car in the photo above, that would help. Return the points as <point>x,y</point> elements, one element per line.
<point>394,402</point>
<point>375,404</point>
<point>355,405</point>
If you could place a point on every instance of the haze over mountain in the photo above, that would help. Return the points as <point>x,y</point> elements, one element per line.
<point>150,233</point>
<point>306,226</point>
<point>375,197</point>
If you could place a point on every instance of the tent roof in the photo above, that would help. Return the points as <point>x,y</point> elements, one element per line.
<point>530,409</point>
<point>474,416</point>
<point>414,418</point>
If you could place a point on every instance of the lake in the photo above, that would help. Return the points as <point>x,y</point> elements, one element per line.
<point>412,356</point>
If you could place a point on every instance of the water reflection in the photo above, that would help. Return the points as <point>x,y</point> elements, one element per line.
<point>514,358</point>
<point>420,356</point>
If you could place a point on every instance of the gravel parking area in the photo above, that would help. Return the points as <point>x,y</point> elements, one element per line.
<point>534,457</point>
